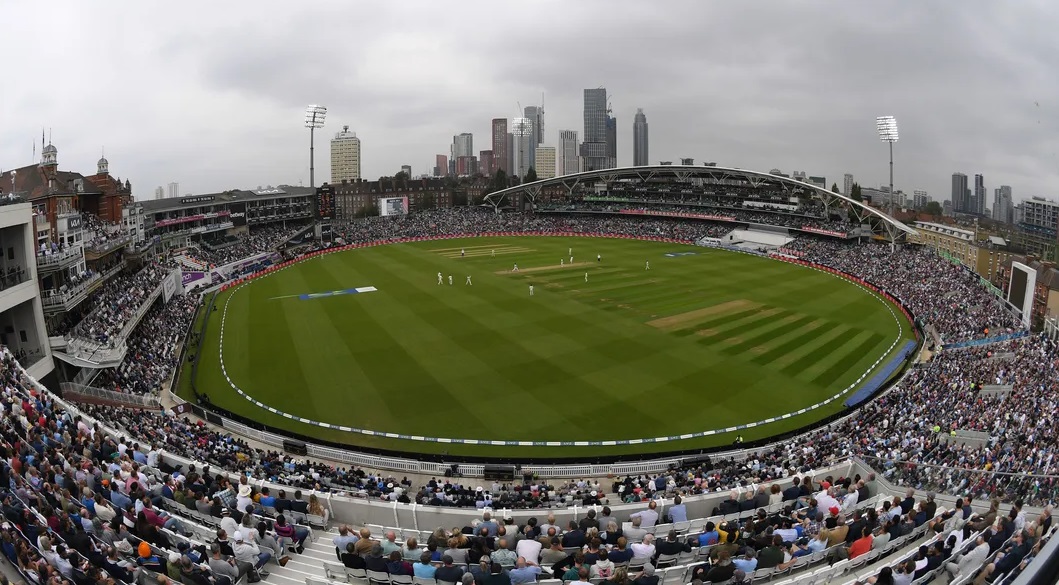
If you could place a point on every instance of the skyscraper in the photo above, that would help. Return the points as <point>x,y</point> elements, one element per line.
<point>544,162</point>
<point>536,115</point>
<point>639,139</point>
<point>612,142</point>
<point>173,190</point>
<point>920,199</point>
<point>595,147</point>
<point>979,195</point>
<point>486,164</point>
<point>159,192</point>
<point>462,145</point>
<point>441,165</point>
<point>567,161</point>
<point>959,193</point>
<point>522,147</point>
<point>500,152</point>
<point>345,156</point>
<point>1003,206</point>
<point>847,184</point>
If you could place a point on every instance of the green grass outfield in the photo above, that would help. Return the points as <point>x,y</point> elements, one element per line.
<point>705,339</point>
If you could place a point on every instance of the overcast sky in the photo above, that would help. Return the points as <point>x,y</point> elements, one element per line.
<point>211,94</point>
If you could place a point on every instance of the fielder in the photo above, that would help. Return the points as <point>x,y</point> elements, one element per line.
<point>450,280</point>
<point>586,277</point>
<point>515,269</point>
<point>647,265</point>
<point>569,251</point>
<point>599,258</point>
<point>492,253</point>
<point>463,252</point>
<point>468,280</point>
<point>561,261</point>
<point>571,259</point>
<point>439,278</point>
<point>531,290</point>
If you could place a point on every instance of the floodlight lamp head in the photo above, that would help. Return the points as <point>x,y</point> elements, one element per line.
<point>314,116</point>
<point>887,127</point>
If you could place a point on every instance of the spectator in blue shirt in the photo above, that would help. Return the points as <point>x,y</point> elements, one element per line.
<point>679,512</point>
<point>710,536</point>
<point>424,568</point>
<point>524,571</point>
<point>747,563</point>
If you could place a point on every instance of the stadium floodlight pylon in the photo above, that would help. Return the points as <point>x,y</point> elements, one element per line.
<point>314,118</point>
<point>887,128</point>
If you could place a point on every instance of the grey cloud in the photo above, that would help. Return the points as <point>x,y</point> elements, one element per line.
<point>211,94</point>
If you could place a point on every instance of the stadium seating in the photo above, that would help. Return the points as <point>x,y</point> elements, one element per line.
<point>48,448</point>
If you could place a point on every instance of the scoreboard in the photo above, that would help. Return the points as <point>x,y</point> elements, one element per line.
<point>325,203</point>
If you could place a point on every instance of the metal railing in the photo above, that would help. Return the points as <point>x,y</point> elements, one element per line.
<point>92,395</point>
<point>110,245</point>
<point>60,257</point>
<point>1034,489</point>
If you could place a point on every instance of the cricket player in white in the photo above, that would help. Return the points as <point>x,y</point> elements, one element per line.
<point>561,261</point>
<point>599,258</point>
<point>515,269</point>
<point>463,252</point>
<point>569,251</point>
<point>450,280</point>
<point>468,279</point>
<point>531,290</point>
<point>492,253</point>
<point>571,259</point>
<point>586,277</point>
<point>439,278</point>
<point>647,266</point>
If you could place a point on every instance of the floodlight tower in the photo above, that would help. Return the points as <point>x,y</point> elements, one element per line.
<point>314,118</point>
<point>887,127</point>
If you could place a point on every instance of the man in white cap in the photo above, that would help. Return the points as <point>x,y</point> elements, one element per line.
<point>228,524</point>
<point>248,552</point>
<point>242,499</point>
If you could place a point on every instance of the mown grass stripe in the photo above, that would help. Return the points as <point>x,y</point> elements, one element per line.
<point>769,335</point>
<point>763,323</point>
<point>722,320</point>
<point>824,350</point>
<point>788,346</point>
<point>842,364</point>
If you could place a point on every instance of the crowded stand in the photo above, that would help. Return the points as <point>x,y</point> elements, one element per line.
<point>98,233</point>
<point>265,238</point>
<point>118,301</point>
<point>949,297</point>
<point>738,215</point>
<point>50,456</point>
<point>85,505</point>
<point>153,348</point>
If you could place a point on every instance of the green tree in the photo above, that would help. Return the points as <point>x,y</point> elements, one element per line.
<point>934,209</point>
<point>854,193</point>
<point>400,176</point>
<point>531,175</point>
<point>500,180</point>
<point>834,188</point>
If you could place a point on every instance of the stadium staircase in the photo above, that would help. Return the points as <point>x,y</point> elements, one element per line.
<point>307,567</point>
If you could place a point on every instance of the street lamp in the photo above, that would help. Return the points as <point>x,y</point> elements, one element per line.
<point>887,127</point>
<point>314,118</point>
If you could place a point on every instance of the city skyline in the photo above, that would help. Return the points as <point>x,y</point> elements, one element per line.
<point>244,82</point>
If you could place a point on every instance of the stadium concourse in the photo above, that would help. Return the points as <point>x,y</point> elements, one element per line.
<point>95,491</point>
